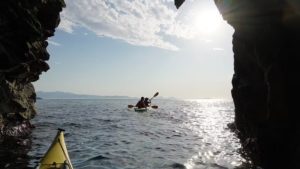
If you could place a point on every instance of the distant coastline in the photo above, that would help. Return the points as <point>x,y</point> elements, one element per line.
<point>69,95</point>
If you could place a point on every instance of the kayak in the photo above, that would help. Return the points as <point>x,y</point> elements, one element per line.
<point>140,109</point>
<point>57,155</point>
<point>136,109</point>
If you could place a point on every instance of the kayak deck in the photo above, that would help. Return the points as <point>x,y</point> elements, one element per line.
<point>57,155</point>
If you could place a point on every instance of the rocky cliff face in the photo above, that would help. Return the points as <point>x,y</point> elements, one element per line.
<point>265,45</point>
<point>24,28</point>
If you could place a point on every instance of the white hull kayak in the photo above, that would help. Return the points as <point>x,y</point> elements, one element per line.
<point>140,109</point>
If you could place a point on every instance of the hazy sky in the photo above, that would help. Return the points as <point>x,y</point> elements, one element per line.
<point>138,47</point>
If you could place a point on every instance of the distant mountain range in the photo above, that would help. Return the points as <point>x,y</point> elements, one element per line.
<point>68,95</point>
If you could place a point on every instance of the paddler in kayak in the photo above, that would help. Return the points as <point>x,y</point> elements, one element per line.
<point>141,103</point>
<point>147,102</point>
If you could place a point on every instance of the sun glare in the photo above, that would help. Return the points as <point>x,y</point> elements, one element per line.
<point>207,21</point>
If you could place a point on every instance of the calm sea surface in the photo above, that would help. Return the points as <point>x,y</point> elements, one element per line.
<point>105,134</point>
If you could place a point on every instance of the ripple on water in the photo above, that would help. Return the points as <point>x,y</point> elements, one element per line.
<point>178,166</point>
<point>99,157</point>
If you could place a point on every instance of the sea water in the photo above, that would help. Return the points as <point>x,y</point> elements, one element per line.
<point>105,134</point>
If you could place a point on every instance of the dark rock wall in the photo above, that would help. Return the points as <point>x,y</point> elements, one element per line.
<point>25,26</point>
<point>265,45</point>
<point>265,92</point>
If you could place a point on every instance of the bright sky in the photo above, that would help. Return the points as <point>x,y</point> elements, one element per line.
<point>139,47</point>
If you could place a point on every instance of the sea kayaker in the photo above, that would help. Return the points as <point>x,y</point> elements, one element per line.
<point>147,102</point>
<point>141,103</point>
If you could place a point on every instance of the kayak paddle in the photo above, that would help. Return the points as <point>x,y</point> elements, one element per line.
<point>154,107</point>
<point>130,106</point>
<point>156,94</point>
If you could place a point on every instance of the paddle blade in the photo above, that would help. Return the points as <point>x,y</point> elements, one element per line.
<point>156,94</point>
<point>130,106</point>
<point>154,107</point>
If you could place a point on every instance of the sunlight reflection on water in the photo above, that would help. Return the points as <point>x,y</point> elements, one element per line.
<point>208,119</point>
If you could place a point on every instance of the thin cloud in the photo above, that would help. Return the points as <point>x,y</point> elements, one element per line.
<point>54,43</point>
<point>66,25</point>
<point>208,40</point>
<point>218,49</point>
<point>138,22</point>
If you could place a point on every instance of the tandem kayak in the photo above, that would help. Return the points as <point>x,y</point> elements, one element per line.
<point>57,155</point>
<point>140,109</point>
<point>136,109</point>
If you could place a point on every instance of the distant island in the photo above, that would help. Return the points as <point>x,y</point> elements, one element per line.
<point>68,95</point>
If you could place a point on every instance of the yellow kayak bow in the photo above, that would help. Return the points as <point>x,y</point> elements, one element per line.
<point>57,156</point>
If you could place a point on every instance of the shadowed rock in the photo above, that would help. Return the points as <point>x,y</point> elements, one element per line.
<point>24,28</point>
<point>265,45</point>
<point>178,3</point>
